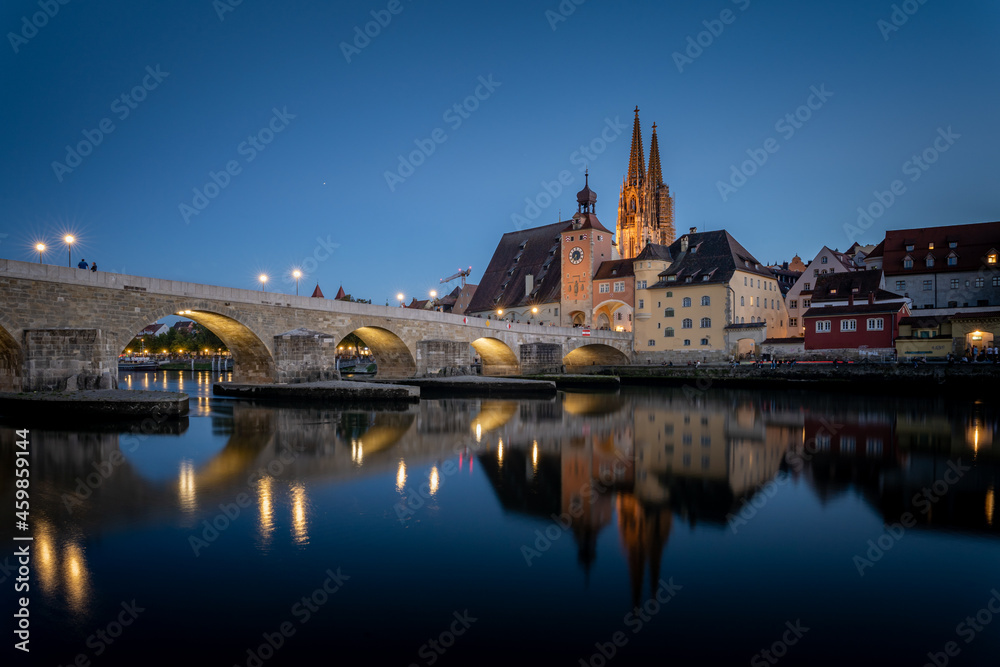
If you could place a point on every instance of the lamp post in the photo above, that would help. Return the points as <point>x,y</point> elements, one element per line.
<point>499,313</point>
<point>296,274</point>
<point>399,297</point>
<point>69,249</point>
<point>434,296</point>
<point>263,280</point>
<point>40,247</point>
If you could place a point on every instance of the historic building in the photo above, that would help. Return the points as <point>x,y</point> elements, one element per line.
<point>614,295</point>
<point>645,207</point>
<point>546,274</point>
<point>798,299</point>
<point>713,301</point>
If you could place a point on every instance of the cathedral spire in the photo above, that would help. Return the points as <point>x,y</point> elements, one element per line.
<point>636,161</point>
<point>655,176</point>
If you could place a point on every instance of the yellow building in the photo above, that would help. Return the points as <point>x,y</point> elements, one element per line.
<point>714,300</point>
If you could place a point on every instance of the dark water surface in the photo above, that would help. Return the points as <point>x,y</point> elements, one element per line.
<point>655,526</point>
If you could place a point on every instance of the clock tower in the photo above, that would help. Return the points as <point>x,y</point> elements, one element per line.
<point>584,243</point>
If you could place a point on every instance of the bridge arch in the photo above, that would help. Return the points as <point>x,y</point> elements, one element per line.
<point>11,360</point>
<point>393,356</point>
<point>252,358</point>
<point>595,354</point>
<point>498,358</point>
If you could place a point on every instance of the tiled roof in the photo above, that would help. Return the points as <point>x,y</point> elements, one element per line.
<point>972,242</point>
<point>534,251</point>
<point>840,286</point>
<point>616,268</point>
<point>714,254</point>
<point>655,251</point>
<point>856,309</point>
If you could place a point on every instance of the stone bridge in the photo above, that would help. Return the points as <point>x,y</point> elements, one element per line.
<point>62,327</point>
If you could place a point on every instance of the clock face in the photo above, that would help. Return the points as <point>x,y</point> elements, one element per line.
<point>576,255</point>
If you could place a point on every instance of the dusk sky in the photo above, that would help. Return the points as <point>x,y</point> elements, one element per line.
<point>309,117</point>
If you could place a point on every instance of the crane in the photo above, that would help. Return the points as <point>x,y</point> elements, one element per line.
<point>462,273</point>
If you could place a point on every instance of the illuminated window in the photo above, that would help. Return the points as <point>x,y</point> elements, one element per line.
<point>991,258</point>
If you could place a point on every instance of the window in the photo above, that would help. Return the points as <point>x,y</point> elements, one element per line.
<point>847,444</point>
<point>848,325</point>
<point>996,281</point>
<point>908,263</point>
<point>704,341</point>
<point>793,321</point>
<point>954,283</point>
<point>603,289</point>
<point>668,312</point>
<point>930,246</point>
<point>669,333</point>
<point>930,260</point>
<point>741,301</point>
<point>928,285</point>
<point>619,285</point>
<point>744,281</point>
<point>806,303</point>
<point>758,302</point>
<point>807,286</point>
<point>687,323</point>
<point>991,257</point>
<point>706,301</point>
<point>953,261</point>
<point>909,247</point>
<point>816,272</point>
<point>979,282</point>
<point>659,325</point>
<point>686,303</point>
<point>900,284</point>
<point>822,326</point>
<point>687,342</point>
<point>669,294</point>
<point>952,244</point>
<point>794,303</point>
<point>876,323</point>
<point>823,260</point>
<point>706,323</point>
<point>651,342</point>
<point>642,304</point>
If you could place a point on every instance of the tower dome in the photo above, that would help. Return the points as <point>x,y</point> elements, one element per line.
<point>586,198</point>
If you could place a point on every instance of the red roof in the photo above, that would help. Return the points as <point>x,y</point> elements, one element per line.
<point>318,293</point>
<point>340,293</point>
<point>968,244</point>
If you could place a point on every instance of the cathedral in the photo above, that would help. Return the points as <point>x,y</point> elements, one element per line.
<point>645,207</point>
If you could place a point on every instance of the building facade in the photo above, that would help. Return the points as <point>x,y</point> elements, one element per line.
<point>645,207</point>
<point>798,299</point>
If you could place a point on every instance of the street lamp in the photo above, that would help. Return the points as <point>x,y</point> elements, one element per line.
<point>296,274</point>
<point>40,247</point>
<point>69,249</point>
<point>499,313</point>
<point>434,296</point>
<point>399,297</point>
<point>263,279</point>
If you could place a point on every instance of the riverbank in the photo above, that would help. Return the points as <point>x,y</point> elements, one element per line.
<point>95,405</point>
<point>897,378</point>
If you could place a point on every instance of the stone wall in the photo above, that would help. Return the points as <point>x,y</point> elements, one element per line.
<point>443,357</point>
<point>539,358</point>
<point>302,355</point>
<point>69,359</point>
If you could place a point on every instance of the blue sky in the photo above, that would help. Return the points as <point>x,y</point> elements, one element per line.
<point>309,128</point>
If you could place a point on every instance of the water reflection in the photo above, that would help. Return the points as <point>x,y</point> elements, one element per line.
<point>616,474</point>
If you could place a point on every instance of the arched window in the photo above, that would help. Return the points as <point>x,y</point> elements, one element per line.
<point>706,301</point>
<point>669,333</point>
<point>687,324</point>
<point>706,322</point>
<point>668,312</point>
<point>741,301</point>
<point>632,205</point>
<point>686,303</point>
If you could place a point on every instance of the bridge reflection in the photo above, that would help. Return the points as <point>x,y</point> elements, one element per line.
<point>635,463</point>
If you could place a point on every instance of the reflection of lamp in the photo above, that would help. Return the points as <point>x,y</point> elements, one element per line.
<point>401,476</point>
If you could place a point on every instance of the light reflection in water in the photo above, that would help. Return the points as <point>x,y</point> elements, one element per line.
<point>534,456</point>
<point>45,563</point>
<point>500,452</point>
<point>76,577</point>
<point>989,506</point>
<point>300,523</point>
<point>186,487</point>
<point>435,480</point>
<point>357,452</point>
<point>401,476</point>
<point>479,432</point>
<point>265,510</point>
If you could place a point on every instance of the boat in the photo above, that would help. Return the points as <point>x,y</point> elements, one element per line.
<point>137,364</point>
